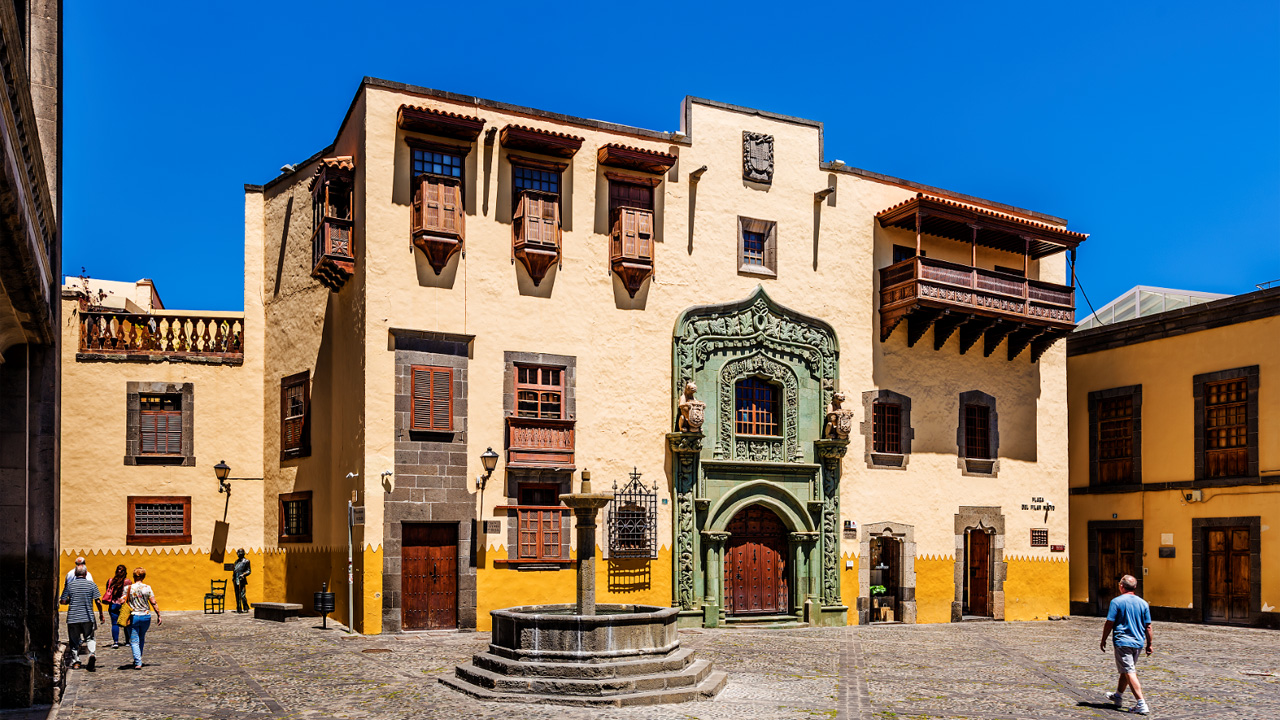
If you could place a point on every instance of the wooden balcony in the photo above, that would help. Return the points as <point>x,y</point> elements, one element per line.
<point>332,261</point>
<point>116,335</point>
<point>980,304</point>
<point>540,443</point>
<point>631,247</point>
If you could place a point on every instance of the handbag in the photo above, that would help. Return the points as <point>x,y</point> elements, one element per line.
<point>126,618</point>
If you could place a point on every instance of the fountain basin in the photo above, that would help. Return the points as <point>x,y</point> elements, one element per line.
<point>554,633</point>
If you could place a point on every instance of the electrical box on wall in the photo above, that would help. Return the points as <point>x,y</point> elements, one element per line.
<point>1194,496</point>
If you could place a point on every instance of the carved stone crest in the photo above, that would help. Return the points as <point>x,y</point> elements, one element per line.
<point>757,157</point>
<point>692,411</point>
<point>839,421</point>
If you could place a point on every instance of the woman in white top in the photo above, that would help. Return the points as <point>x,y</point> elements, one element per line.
<point>142,600</point>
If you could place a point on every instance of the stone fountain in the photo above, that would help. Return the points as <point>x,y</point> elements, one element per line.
<point>586,654</point>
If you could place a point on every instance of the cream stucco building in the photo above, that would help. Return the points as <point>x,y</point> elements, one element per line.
<point>878,429</point>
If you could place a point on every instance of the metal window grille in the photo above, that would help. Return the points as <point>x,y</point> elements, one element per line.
<point>633,520</point>
<point>757,408</point>
<point>887,428</point>
<point>523,178</point>
<point>1226,428</point>
<point>436,163</point>
<point>158,519</point>
<point>1039,537</point>
<point>977,432</point>
<point>297,517</point>
<point>1115,439</point>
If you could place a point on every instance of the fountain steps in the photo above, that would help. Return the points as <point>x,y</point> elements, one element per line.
<point>697,681</point>
<point>671,662</point>
<point>764,622</point>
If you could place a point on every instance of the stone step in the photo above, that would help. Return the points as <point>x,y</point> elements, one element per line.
<point>759,619</point>
<point>651,665</point>
<point>710,686</point>
<point>689,676</point>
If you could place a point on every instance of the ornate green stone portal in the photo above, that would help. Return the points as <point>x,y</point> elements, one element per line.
<point>725,461</point>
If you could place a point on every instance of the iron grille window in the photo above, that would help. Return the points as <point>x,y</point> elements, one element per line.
<point>432,162</point>
<point>1226,428</point>
<point>757,407</point>
<point>1115,440</point>
<point>633,520</point>
<point>526,178</point>
<point>160,424</point>
<point>295,517</point>
<point>886,428</point>
<point>1039,537</point>
<point>753,248</point>
<point>977,432</point>
<point>539,392</point>
<point>158,518</point>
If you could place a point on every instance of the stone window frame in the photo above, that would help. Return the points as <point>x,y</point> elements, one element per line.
<point>906,534</point>
<point>1251,375</point>
<point>991,519</point>
<point>561,477</point>
<point>886,461</point>
<point>300,496</point>
<point>1198,526</point>
<point>769,228</point>
<point>132,538</point>
<point>133,423</point>
<point>1092,562</point>
<point>1095,399</point>
<point>979,467</point>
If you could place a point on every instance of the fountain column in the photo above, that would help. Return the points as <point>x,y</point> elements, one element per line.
<point>586,506</point>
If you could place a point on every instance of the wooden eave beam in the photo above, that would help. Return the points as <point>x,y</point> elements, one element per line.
<point>904,217</point>
<point>638,159</point>
<point>919,322</point>
<point>995,334</point>
<point>1018,341</point>
<point>1042,344</point>
<point>544,142</point>
<point>972,331</point>
<point>946,326</point>
<point>439,123</point>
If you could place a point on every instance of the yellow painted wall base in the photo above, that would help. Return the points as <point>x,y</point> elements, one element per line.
<point>935,588</point>
<point>849,586</point>
<point>180,578</point>
<point>1036,588</point>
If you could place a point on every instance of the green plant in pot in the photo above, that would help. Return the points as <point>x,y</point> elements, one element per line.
<point>878,590</point>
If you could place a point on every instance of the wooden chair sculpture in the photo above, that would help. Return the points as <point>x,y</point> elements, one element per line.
<point>215,599</point>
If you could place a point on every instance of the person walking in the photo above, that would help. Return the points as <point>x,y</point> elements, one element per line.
<point>79,596</point>
<point>1130,617</point>
<point>114,595</point>
<point>72,572</point>
<point>142,600</point>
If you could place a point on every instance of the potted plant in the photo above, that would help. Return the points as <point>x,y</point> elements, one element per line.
<point>881,601</point>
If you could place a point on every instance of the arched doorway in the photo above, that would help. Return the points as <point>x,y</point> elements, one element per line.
<point>755,564</point>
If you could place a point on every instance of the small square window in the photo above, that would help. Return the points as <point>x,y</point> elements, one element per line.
<point>1039,537</point>
<point>159,520</point>
<point>295,517</point>
<point>757,247</point>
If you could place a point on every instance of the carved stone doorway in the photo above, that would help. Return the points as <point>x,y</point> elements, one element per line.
<point>896,545</point>
<point>979,566</point>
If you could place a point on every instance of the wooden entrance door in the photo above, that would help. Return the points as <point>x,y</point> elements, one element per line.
<point>755,566</point>
<point>1226,575</point>
<point>978,576</point>
<point>1117,557</point>
<point>429,576</point>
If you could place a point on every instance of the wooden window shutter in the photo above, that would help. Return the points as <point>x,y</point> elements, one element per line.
<point>771,248</point>
<point>550,221</point>
<point>432,399</point>
<point>644,234</point>
<point>431,205</point>
<point>629,222</point>
<point>148,432</point>
<point>437,207</point>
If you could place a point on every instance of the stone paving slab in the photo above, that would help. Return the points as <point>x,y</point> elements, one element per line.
<point>232,667</point>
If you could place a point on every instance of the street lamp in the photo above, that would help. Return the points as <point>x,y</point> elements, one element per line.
<point>489,459</point>
<point>222,470</point>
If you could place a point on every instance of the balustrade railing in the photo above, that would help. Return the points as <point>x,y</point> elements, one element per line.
<point>540,441</point>
<point>332,238</point>
<point>958,284</point>
<point>171,336</point>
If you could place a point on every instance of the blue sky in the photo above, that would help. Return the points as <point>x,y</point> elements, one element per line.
<point>1156,129</point>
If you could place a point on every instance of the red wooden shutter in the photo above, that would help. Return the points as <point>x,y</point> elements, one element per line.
<point>551,221</point>
<point>432,399</point>
<point>431,205</point>
<point>450,209</point>
<point>629,222</point>
<point>417,221</point>
<point>644,234</point>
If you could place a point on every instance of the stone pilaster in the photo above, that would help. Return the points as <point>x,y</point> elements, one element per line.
<point>713,576</point>
<point>685,449</point>
<point>830,453</point>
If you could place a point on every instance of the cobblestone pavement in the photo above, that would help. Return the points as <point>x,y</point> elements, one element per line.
<point>232,667</point>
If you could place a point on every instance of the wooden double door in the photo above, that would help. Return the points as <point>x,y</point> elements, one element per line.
<point>977,573</point>
<point>1227,583</point>
<point>429,576</point>
<point>755,564</point>
<point>1117,557</point>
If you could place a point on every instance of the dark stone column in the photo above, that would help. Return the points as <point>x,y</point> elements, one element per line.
<point>685,447</point>
<point>830,453</point>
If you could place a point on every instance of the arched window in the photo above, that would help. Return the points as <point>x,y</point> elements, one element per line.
<point>757,407</point>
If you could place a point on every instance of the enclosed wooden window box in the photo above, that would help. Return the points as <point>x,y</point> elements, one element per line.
<point>631,247</point>
<point>536,227</point>
<point>332,253</point>
<point>539,442</point>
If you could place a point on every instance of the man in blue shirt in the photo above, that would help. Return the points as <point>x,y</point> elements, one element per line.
<point>1130,617</point>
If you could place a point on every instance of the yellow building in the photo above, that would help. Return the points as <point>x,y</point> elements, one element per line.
<point>824,395</point>
<point>1175,456</point>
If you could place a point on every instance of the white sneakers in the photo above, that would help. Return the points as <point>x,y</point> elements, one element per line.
<point>1116,699</point>
<point>1141,708</point>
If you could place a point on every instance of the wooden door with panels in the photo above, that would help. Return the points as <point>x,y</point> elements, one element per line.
<point>1117,557</point>
<point>755,566</point>
<point>978,573</point>
<point>429,576</point>
<point>1227,587</point>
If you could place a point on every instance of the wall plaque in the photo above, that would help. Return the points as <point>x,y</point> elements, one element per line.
<point>492,527</point>
<point>1057,548</point>
<point>1166,552</point>
<point>757,157</point>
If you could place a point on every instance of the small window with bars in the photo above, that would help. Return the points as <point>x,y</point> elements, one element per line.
<point>159,520</point>
<point>977,432</point>
<point>539,392</point>
<point>160,424</point>
<point>540,517</point>
<point>432,399</point>
<point>886,428</point>
<point>1039,537</point>
<point>435,162</point>
<point>295,517</point>
<point>633,520</point>
<point>1226,428</point>
<point>1115,440</point>
<point>295,409</point>
<point>757,407</point>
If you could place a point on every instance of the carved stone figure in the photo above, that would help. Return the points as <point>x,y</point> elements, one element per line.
<point>757,157</point>
<point>839,420</point>
<point>693,412</point>
<point>240,579</point>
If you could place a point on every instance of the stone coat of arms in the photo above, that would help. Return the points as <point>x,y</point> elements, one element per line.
<point>839,420</point>
<point>693,412</point>
<point>757,157</point>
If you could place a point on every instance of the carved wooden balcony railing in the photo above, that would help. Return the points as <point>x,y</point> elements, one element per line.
<point>631,247</point>
<point>332,261</point>
<point>539,442</point>
<point>111,334</point>
<point>981,304</point>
